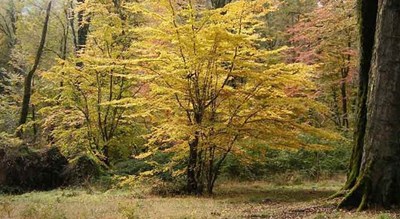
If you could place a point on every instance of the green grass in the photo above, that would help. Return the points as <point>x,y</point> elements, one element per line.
<point>231,200</point>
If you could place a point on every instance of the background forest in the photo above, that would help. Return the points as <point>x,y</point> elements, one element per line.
<point>182,89</point>
<point>181,95</point>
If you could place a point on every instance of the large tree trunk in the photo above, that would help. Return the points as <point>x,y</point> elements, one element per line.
<point>378,180</point>
<point>368,11</point>
<point>29,77</point>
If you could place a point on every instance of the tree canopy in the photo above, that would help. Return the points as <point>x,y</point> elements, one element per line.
<point>190,90</point>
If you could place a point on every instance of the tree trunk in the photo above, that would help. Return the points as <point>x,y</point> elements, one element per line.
<point>83,28</point>
<point>381,149</point>
<point>192,187</point>
<point>368,12</point>
<point>13,21</point>
<point>71,17</point>
<point>210,171</point>
<point>343,91</point>
<point>29,77</point>
<point>336,111</point>
<point>219,3</point>
<point>343,88</point>
<point>106,155</point>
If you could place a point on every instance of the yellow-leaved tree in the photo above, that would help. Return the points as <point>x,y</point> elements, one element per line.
<point>89,97</point>
<point>215,89</point>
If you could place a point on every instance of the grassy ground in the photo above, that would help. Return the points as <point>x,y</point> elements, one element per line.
<point>232,200</point>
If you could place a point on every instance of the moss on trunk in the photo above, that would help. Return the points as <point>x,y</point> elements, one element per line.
<point>367,17</point>
<point>375,169</point>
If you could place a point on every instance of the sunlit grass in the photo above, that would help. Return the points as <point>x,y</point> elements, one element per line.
<point>231,200</point>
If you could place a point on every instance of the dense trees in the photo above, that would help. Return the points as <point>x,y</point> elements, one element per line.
<point>96,85</point>
<point>334,49</point>
<point>8,30</point>
<point>29,76</point>
<point>194,82</point>
<point>31,53</point>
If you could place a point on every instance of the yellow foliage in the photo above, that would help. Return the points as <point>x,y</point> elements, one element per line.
<point>214,88</point>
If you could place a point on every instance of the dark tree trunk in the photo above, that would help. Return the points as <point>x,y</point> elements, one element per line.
<point>13,19</point>
<point>71,17</point>
<point>106,155</point>
<point>368,12</point>
<point>343,92</point>
<point>219,3</point>
<point>192,187</point>
<point>35,128</point>
<point>210,175</point>
<point>83,29</point>
<point>336,110</point>
<point>378,181</point>
<point>29,77</point>
<point>343,88</point>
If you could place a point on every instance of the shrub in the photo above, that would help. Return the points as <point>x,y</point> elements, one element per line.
<point>24,169</point>
<point>82,169</point>
<point>307,164</point>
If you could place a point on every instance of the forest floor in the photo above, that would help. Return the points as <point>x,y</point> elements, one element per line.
<point>231,200</point>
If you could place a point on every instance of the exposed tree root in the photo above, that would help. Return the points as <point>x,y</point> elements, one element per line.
<point>357,196</point>
<point>338,194</point>
<point>351,181</point>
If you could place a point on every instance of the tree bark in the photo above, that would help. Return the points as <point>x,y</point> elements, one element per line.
<point>367,17</point>
<point>192,187</point>
<point>29,76</point>
<point>343,88</point>
<point>83,28</point>
<point>71,17</point>
<point>343,92</point>
<point>381,148</point>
